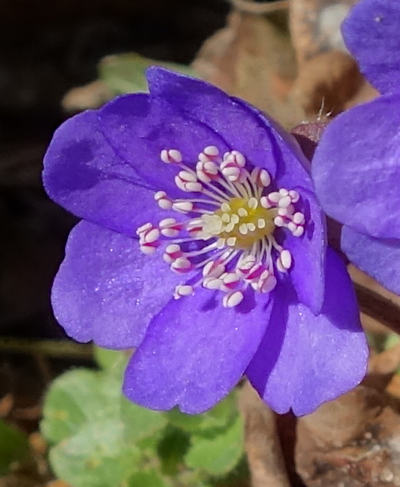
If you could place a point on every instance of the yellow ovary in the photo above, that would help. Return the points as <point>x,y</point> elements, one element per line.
<point>240,223</point>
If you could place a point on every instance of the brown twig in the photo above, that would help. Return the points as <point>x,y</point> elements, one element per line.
<point>263,449</point>
<point>379,307</point>
<point>260,8</point>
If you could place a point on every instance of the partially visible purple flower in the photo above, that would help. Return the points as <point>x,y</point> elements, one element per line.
<point>203,245</point>
<point>356,166</point>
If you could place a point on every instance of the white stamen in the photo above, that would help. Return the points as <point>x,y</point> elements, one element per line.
<point>298,218</point>
<point>181,265</point>
<point>252,203</point>
<point>230,281</point>
<point>232,299</point>
<point>284,202</point>
<point>169,227</point>
<point>163,200</point>
<point>206,171</point>
<point>231,173</point>
<point>298,232</point>
<point>147,249</point>
<point>171,156</point>
<point>211,151</point>
<point>213,269</point>
<point>220,243</point>
<point>268,285</point>
<point>243,229</point>
<point>144,228</point>
<point>231,241</point>
<point>183,206</point>
<point>183,290</point>
<point>219,180</point>
<point>212,283</point>
<point>274,197</point>
<point>261,177</point>
<point>264,202</point>
<point>246,263</point>
<point>225,207</point>
<point>151,236</point>
<point>286,259</point>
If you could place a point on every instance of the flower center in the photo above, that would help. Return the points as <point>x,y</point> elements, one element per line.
<point>226,240</point>
<point>240,222</point>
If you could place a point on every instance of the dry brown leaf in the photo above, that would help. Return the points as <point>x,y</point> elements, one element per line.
<point>328,76</point>
<point>253,58</point>
<point>353,441</point>
<point>315,26</point>
<point>386,362</point>
<point>92,95</point>
<point>327,81</point>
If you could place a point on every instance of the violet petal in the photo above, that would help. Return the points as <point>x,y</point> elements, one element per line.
<point>106,290</point>
<point>357,164</point>
<point>83,174</point>
<point>195,351</point>
<point>239,124</point>
<point>140,128</point>
<point>308,252</point>
<point>305,360</point>
<point>380,258</point>
<point>371,33</point>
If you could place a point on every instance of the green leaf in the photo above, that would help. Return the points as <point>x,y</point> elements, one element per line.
<point>97,429</point>
<point>13,447</point>
<point>208,423</point>
<point>76,397</point>
<point>97,456</point>
<point>140,422</point>
<point>146,479</point>
<point>110,360</point>
<point>172,449</point>
<point>391,340</point>
<point>217,455</point>
<point>125,73</point>
<point>64,408</point>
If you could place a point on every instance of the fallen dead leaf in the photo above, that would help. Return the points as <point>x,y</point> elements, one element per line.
<point>253,58</point>
<point>353,441</point>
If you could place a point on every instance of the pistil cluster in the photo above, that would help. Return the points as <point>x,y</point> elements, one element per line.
<point>225,237</point>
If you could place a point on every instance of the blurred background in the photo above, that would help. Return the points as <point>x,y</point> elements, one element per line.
<point>58,58</point>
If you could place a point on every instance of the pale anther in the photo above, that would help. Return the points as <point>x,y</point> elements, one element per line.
<point>183,206</point>
<point>253,203</point>
<point>183,290</point>
<point>171,156</point>
<point>232,299</point>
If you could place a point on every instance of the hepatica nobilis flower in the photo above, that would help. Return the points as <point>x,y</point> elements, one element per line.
<point>356,167</point>
<point>203,245</point>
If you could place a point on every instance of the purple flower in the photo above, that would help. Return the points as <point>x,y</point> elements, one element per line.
<point>356,167</point>
<point>203,245</point>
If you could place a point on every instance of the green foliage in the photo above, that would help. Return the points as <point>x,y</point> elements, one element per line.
<point>219,454</point>
<point>211,422</point>
<point>100,439</point>
<point>125,73</point>
<point>146,479</point>
<point>13,447</point>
